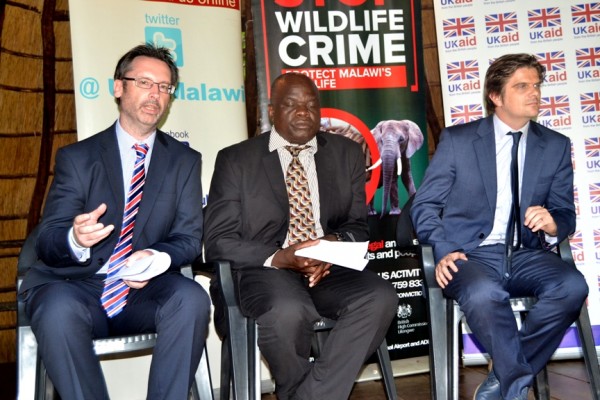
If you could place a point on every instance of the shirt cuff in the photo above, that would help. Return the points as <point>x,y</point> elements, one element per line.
<point>81,254</point>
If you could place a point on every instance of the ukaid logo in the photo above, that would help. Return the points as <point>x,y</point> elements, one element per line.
<point>588,64</point>
<point>466,113</point>
<point>502,29</point>
<point>455,3</point>
<point>169,38</point>
<point>554,61</point>
<point>459,33</point>
<point>576,242</point>
<point>590,109</point>
<point>586,19</point>
<point>544,24</point>
<point>592,154</point>
<point>555,112</point>
<point>463,77</point>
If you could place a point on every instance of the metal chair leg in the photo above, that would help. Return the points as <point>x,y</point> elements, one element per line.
<point>387,375</point>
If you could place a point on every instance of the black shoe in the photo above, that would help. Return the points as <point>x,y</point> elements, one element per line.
<point>489,389</point>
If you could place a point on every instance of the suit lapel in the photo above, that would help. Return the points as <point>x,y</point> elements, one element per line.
<point>534,156</point>
<point>325,167</point>
<point>272,166</point>
<point>109,152</point>
<point>485,151</point>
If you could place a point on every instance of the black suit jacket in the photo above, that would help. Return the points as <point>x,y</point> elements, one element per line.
<point>247,215</point>
<point>89,173</point>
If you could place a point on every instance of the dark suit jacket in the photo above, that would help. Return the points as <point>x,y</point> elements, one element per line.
<point>89,173</point>
<point>247,214</point>
<point>455,204</point>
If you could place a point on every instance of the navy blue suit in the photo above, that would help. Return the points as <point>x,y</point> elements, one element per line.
<point>453,210</point>
<point>62,294</point>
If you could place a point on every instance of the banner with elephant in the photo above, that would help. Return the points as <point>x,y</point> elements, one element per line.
<point>366,58</point>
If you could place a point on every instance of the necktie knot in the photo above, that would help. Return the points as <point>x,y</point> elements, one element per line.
<point>296,150</point>
<point>516,136</point>
<point>141,149</point>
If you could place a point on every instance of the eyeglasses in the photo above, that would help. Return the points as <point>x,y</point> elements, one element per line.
<point>145,83</point>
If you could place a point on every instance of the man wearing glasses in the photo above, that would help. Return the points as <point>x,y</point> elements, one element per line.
<point>125,197</point>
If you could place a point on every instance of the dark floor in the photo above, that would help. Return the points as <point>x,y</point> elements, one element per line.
<point>568,381</point>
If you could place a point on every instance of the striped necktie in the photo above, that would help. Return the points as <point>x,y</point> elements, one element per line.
<point>302,222</point>
<point>114,295</point>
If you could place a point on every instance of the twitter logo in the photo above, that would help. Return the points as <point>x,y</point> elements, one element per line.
<point>169,38</point>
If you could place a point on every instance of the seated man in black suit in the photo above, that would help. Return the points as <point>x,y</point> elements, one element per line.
<point>254,222</point>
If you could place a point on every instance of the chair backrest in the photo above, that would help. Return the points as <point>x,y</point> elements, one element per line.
<point>28,254</point>
<point>405,231</point>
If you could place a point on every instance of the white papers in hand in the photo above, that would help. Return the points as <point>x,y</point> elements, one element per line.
<point>346,254</point>
<point>144,268</point>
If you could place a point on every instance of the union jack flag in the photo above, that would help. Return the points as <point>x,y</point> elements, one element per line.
<point>597,238</point>
<point>497,23</point>
<point>555,105</point>
<point>544,17</point>
<point>590,102</point>
<point>463,114</point>
<point>585,13</point>
<point>587,58</point>
<point>460,70</point>
<point>575,195</point>
<point>576,241</point>
<point>553,61</point>
<point>592,147</point>
<point>573,160</point>
<point>595,192</point>
<point>464,26</point>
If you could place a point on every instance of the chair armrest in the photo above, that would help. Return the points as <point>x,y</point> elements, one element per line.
<point>428,266</point>
<point>564,250</point>
<point>223,269</point>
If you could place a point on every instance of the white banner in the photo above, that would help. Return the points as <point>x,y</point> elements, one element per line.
<point>565,36</point>
<point>208,111</point>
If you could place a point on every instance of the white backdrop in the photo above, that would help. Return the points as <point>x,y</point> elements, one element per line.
<point>564,35</point>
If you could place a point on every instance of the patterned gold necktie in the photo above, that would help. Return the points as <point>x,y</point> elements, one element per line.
<point>302,222</point>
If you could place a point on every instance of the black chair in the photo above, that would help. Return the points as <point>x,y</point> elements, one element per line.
<point>32,379</point>
<point>239,351</point>
<point>445,317</point>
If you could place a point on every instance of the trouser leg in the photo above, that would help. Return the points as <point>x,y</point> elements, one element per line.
<point>177,309</point>
<point>363,305</point>
<point>478,287</point>
<point>279,302</point>
<point>560,291</point>
<point>66,316</point>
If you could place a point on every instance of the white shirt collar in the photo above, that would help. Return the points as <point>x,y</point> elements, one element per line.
<point>276,141</point>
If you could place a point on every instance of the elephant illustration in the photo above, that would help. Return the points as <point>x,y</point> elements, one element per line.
<point>397,142</point>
